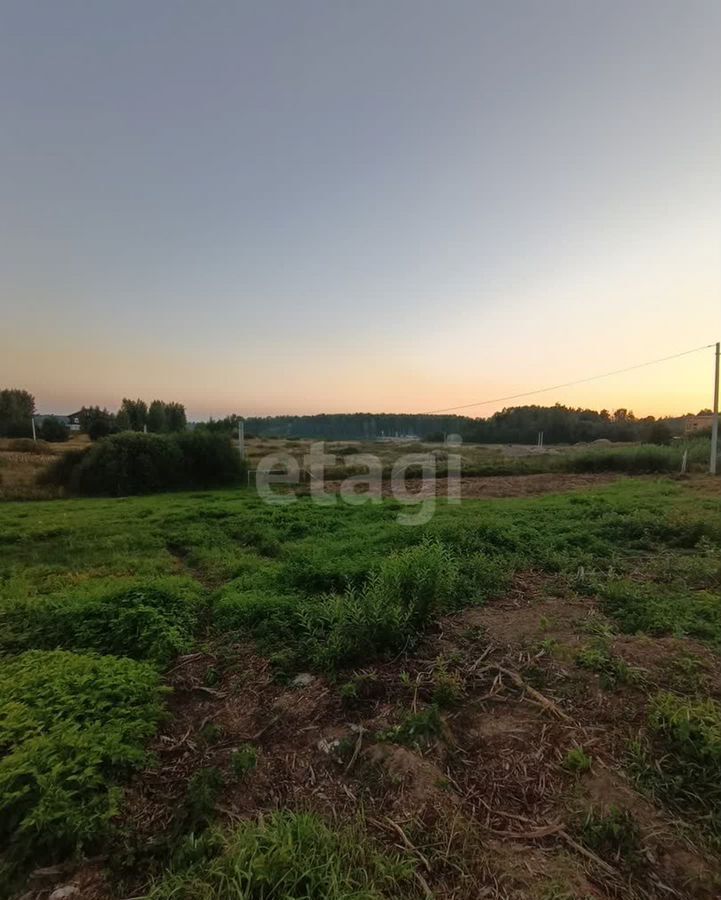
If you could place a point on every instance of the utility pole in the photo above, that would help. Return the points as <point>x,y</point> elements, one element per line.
<point>32,419</point>
<point>714,422</point>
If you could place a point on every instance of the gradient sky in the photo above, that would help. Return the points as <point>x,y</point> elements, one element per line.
<point>394,205</point>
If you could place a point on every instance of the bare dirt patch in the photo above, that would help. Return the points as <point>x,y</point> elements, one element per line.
<point>493,486</point>
<point>487,804</point>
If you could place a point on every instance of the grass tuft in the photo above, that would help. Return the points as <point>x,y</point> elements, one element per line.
<point>293,856</point>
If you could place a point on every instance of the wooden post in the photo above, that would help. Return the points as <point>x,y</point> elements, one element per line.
<point>684,461</point>
<point>32,420</point>
<point>714,423</point>
<point>241,439</point>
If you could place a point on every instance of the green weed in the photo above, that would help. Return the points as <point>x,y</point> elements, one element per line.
<point>662,609</point>
<point>386,615</point>
<point>293,856</point>
<point>198,807</point>
<point>576,760</point>
<point>611,669</point>
<point>448,687</point>
<point>243,760</point>
<point>143,622</point>
<point>416,729</point>
<point>682,762</point>
<point>71,729</point>
<point>613,835</point>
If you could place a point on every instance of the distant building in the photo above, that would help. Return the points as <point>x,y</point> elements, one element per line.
<point>72,421</point>
<point>697,423</point>
<point>398,438</point>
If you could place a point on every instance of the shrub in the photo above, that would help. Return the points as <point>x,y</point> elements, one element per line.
<point>243,760</point>
<point>577,761</point>
<point>615,835</point>
<point>611,669</point>
<point>96,422</point>
<point>386,615</point>
<point>663,609</point>
<point>62,471</point>
<point>209,460</point>
<point>54,430</point>
<point>688,770</point>
<point>130,463</point>
<point>71,727</point>
<point>416,729</point>
<point>269,617</point>
<point>293,856</point>
<point>140,623</point>
<point>198,807</point>
<point>383,615</point>
<point>137,463</point>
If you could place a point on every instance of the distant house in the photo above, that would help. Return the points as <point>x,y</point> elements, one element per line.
<point>697,423</point>
<point>72,421</point>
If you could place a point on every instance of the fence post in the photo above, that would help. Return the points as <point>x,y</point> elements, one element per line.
<point>714,423</point>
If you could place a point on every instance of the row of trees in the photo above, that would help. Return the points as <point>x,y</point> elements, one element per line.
<point>158,417</point>
<point>515,425</point>
<point>17,410</point>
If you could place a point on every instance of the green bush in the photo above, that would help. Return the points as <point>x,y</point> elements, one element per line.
<point>384,616</point>
<point>288,856</point>
<point>71,727</point>
<point>687,771</point>
<point>576,760</point>
<point>141,623</point>
<point>209,460</point>
<point>62,471</point>
<point>613,835</point>
<point>269,617</point>
<point>416,729</point>
<point>54,430</point>
<point>136,463</point>
<point>243,760</point>
<point>198,807</point>
<point>662,609</point>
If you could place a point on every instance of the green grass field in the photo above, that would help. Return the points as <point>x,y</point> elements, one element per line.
<point>101,597</point>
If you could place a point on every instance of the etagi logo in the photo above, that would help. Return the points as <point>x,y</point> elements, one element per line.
<point>415,480</point>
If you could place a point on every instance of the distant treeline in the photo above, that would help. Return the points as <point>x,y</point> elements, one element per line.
<point>341,426</point>
<point>515,425</point>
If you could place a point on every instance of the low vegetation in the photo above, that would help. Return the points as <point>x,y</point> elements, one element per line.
<point>136,463</point>
<point>104,601</point>
<point>147,623</point>
<point>293,856</point>
<point>72,727</point>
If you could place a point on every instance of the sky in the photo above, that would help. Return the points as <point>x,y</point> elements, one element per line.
<point>387,205</point>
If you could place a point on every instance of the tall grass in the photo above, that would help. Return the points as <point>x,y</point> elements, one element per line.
<point>289,856</point>
<point>639,459</point>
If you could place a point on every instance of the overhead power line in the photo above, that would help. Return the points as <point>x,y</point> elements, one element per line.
<point>566,384</point>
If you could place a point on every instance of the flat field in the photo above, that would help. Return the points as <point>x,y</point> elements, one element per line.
<point>206,696</point>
